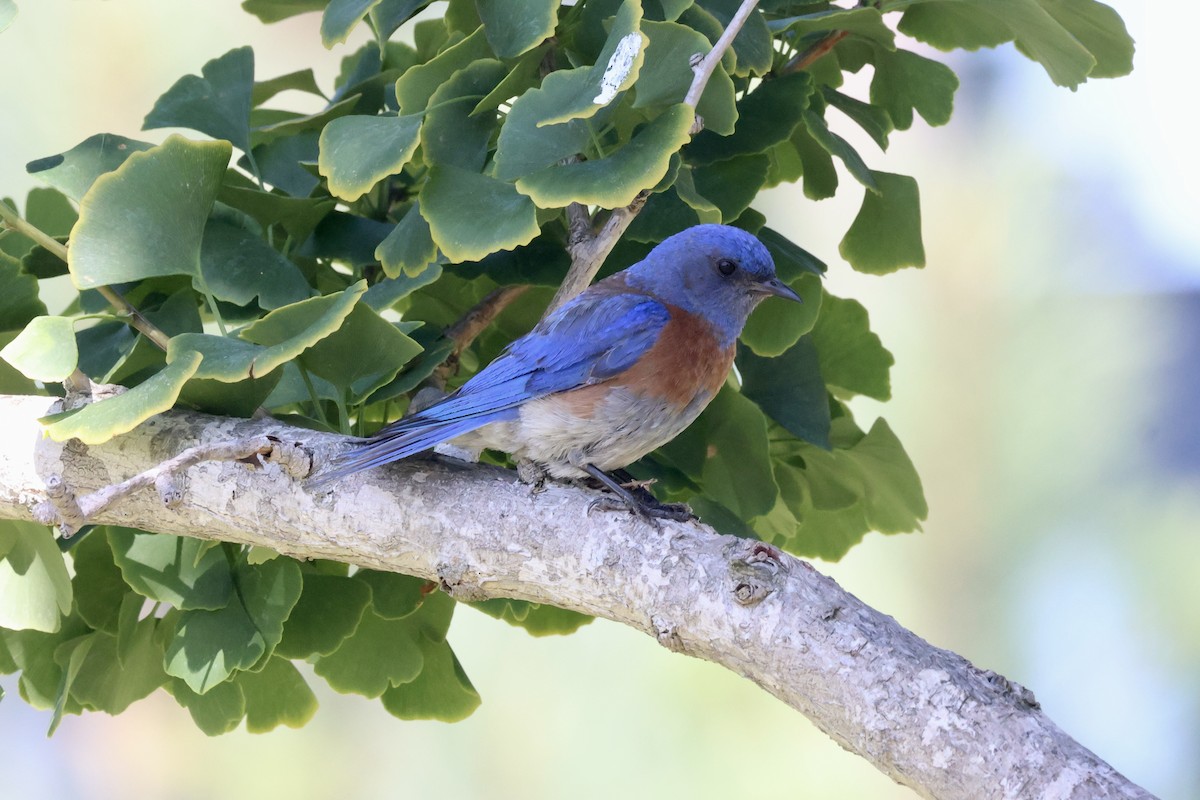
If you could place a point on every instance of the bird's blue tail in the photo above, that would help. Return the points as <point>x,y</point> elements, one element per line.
<point>400,440</point>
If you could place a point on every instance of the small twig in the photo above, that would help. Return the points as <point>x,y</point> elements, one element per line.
<point>707,65</point>
<point>805,58</point>
<point>70,513</point>
<point>588,250</point>
<point>473,323</point>
<point>59,251</point>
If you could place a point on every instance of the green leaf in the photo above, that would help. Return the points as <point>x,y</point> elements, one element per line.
<point>33,653</point>
<point>217,104</point>
<point>217,711</point>
<point>1071,39</point>
<point>614,181</point>
<point>865,22</point>
<point>732,184</point>
<point>852,358</point>
<point>45,351</point>
<point>875,121</point>
<point>301,80</point>
<point>274,125</point>
<point>357,152</point>
<point>275,10</point>
<point>184,572</point>
<point>839,147</point>
<point>514,26</point>
<point>276,695</point>
<point>74,171</point>
<point>789,389</point>
<point>524,146</point>
<point>417,85</point>
<point>765,117</point>
<point>409,249</point>
<point>99,422</point>
<point>886,234</point>
<point>340,17</point>
<point>1098,28</point>
<point>380,653</point>
<point>99,587</point>
<point>905,82</point>
<point>72,653</point>
<point>471,215</point>
<point>327,613</point>
<point>536,619</point>
<point>209,646</point>
<point>147,217</point>
<point>112,678</point>
<point>19,301</point>
<point>393,596</point>
<point>895,501</point>
<point>442,691</point>
<point>452,133</point>
<point>666,76</point>
<point>791,260</point>
<point>585,90</point>
<point>365,353</point>
<point>274,340</point>
<point>726,450</point>
<point>50,211</point>
<point>776,326</point>
<point>297,215</point>
<point>820,178</point>
<point>388,15</point>
<point>522,77</point>
<point>238,266</point>
<point>35,589</point>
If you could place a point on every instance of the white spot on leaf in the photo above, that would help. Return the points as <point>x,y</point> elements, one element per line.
<point>618,68</point>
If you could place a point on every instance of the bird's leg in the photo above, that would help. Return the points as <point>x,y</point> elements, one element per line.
<point>639,500</point>
<point>532,473</point>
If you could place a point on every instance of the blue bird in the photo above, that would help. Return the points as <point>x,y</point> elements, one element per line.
<point>609,376</point>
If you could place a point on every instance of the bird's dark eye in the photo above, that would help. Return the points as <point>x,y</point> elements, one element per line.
<point>726,267</point>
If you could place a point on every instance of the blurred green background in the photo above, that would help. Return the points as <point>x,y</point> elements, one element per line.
<point>1047,387</point>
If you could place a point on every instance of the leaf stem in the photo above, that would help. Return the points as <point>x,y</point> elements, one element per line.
<point>312,394</point>
<point>59,251</point>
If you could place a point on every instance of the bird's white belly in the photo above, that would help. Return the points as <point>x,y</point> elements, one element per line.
<point>619,430</point>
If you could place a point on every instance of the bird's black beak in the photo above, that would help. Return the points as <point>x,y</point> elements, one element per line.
<point>779,289</point>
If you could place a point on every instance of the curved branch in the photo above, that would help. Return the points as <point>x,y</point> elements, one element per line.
<point>924,716</point>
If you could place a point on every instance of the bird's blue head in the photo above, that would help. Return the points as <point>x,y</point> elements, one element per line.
<point>716,271</point>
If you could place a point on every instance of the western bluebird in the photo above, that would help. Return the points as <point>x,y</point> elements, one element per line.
<point>610,375</point>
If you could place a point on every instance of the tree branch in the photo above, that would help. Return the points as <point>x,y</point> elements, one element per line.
<point>924,716</point>
<point>705,67</point>
<point>805,59</point>
<point>473,323</point>
<point>148,329</point>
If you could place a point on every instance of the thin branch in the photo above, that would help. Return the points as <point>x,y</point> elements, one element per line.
<point>59,251</point>
<point>588,250</point>
<point>707,65</point>
<point>70,513</point>
<point>473,323</point>
<point>924,716</point>
<point>806,58</point>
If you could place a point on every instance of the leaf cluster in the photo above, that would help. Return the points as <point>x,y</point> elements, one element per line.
<point>309,263</point>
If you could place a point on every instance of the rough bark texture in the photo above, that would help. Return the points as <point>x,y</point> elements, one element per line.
<point>924,716</point>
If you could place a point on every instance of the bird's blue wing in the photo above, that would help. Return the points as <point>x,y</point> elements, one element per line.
<point>589,339</point>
